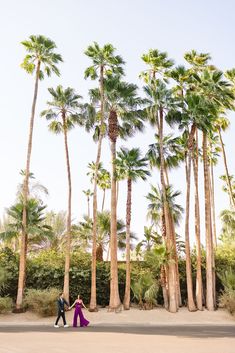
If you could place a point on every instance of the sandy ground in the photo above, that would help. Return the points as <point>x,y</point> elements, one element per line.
<point>133,316</point>
<point>128,341</point>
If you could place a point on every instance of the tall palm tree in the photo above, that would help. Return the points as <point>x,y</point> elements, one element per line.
<point>63,114</point>
<point>40,60</point>
<point>219,95</point>
<point>199,288</point>
<point>88,194</point>
<point>105,62</point>
<point>159,102</point>
<point>133,167</point>
<point>124,118</point>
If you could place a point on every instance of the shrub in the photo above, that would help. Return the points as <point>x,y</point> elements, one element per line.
<point>227,298</point>
<point>43,301</point>
<point>5,305</point>
<point>145,289</point>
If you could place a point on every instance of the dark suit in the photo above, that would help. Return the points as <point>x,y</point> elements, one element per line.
<point>61,313</point>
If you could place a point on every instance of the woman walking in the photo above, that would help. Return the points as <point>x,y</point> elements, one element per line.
<point>78,312</point>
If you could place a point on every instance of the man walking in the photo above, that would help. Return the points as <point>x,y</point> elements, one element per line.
<point>61,302</point>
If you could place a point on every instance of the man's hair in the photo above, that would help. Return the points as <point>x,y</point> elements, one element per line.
<point>60,294</point>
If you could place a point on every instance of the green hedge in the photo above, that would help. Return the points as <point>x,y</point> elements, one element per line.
<point>5,305</point>
<point>46,269</point>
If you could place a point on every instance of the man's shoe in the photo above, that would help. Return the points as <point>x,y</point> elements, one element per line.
<point>66,325</point>
<point>57,326</point>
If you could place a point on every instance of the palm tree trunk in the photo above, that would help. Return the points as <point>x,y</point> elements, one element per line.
<point>179,297</point>
<point>114,302</point>
<point>212,191</point>
<point>117,182</point>
<point>191,304</point>
<point>173,306</point>
<point>213,235</point>
<point>229,186</point>
<point>163,278</point>
<point>23,245</point>
<point>93,303</point>
<point>209,241</point>
<point>88,207</point>
<point>126,301</point>
<point>68,235</point>
<point>197,230</point>
<point>102,209</point>
<point>163,273</point>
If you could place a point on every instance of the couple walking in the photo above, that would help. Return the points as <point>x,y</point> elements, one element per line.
<point>61,302</point>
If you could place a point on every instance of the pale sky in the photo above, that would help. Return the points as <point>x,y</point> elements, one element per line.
<point>133,27</point>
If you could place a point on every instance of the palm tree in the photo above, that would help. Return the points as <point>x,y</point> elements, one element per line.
<point>133,167</point>
<point>41,59</point>
<point>219,96</point>
<point>124,118</point>
<point>104,63</point>
<point>103,232</point>
<point>159,102</point>
<point>57,222</point>
<point>151,238</point>
<point>63,115</point>
<point>88,194</point>
<point>228,226</point>
<point>199,288</point>
<point>156,201</point>
<point>103,178</point>
<point>158,63</point>
<point>37,230</point>
<point>104,183</point>
<point>156,214</point>
<point>172,150</point>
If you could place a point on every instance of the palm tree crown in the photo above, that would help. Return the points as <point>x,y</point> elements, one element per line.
<point>65,103</point>
<point>41,50</point>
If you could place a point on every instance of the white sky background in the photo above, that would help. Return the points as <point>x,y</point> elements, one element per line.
<point>133,27</point>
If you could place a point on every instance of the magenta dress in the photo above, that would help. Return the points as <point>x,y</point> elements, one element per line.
<point>78,311</point>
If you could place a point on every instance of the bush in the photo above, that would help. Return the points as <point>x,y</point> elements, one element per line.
<point>227,300</point>
<point>42,302</point>
<point>5,305</point>
<point>145,289</point>
<point>9,264</point>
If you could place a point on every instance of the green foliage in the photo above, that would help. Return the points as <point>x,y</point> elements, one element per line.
<point>5,305</point>
<point>3,279</point>
<point>145,289</point>
<point>9,264</point>
<point>227,298</point>
<point>42,301</point>
<point>46,269</point>
<point>41,51</point>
